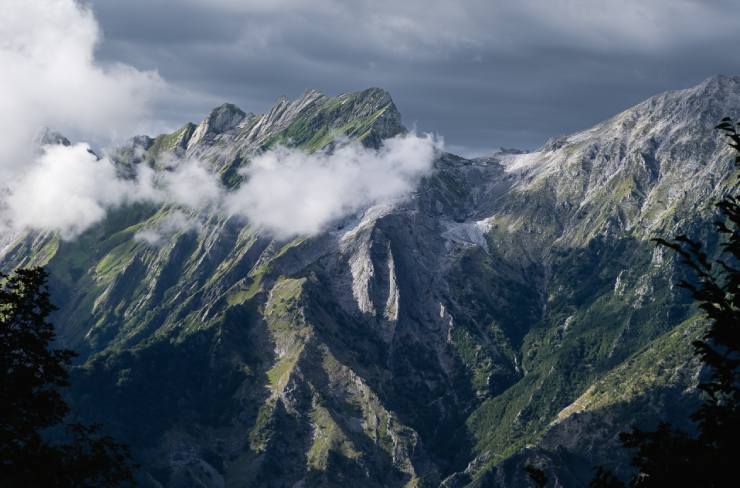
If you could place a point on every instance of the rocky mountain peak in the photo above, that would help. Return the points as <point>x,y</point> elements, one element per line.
<point>221,119</point>
<point>224,117</point>
<point>49,137</point>
<point>700,106</point>
<point>375,95</point>
<point>314,120</point>
<point>719,82</point>
<point>373,103</point>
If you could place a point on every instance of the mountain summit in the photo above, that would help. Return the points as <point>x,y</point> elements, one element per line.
<point>512,311</point>
<point>220,120</point>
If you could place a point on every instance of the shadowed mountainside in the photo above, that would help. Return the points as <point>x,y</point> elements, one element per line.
<point>512,309</point>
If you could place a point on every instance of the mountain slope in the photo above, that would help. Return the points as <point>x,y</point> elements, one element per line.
<point>502,305</point>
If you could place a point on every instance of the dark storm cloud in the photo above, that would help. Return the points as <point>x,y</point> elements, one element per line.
<point>480,73</point>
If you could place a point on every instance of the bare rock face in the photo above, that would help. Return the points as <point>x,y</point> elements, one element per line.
<point>512,311</point>
<point>48,136</point>
<point>220,120</point>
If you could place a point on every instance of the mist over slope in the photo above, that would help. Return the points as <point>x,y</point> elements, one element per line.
<point>283,190</point>
<point>440,315</point>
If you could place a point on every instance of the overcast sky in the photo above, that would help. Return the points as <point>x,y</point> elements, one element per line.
<point>482,74</point>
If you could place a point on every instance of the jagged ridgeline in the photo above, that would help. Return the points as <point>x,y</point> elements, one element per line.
<point>511,311</point>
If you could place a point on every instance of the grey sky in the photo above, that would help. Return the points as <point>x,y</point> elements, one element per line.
<point>482,74</point>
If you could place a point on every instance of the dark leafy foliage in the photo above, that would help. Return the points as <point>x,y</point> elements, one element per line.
<point>31,375</point>
<point>537,476</point>
<point>668,457</point>
<point>605,479</point>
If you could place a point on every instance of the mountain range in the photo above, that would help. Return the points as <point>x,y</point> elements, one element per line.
<point>512,310</point>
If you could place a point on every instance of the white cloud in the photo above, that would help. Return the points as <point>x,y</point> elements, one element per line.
<point>51,78</point>
<point>412,29</point>
<point>67,190</point>
<point>172,223</point>
<point>287,191</point>
<point>290,192</point>
<point>190,184</point>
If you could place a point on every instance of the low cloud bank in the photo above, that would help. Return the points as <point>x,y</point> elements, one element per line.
<point>51,78</point>
<point>285,192</point>
<point>177,221</point>
<point>290,192</point>
<point>66,190</point>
